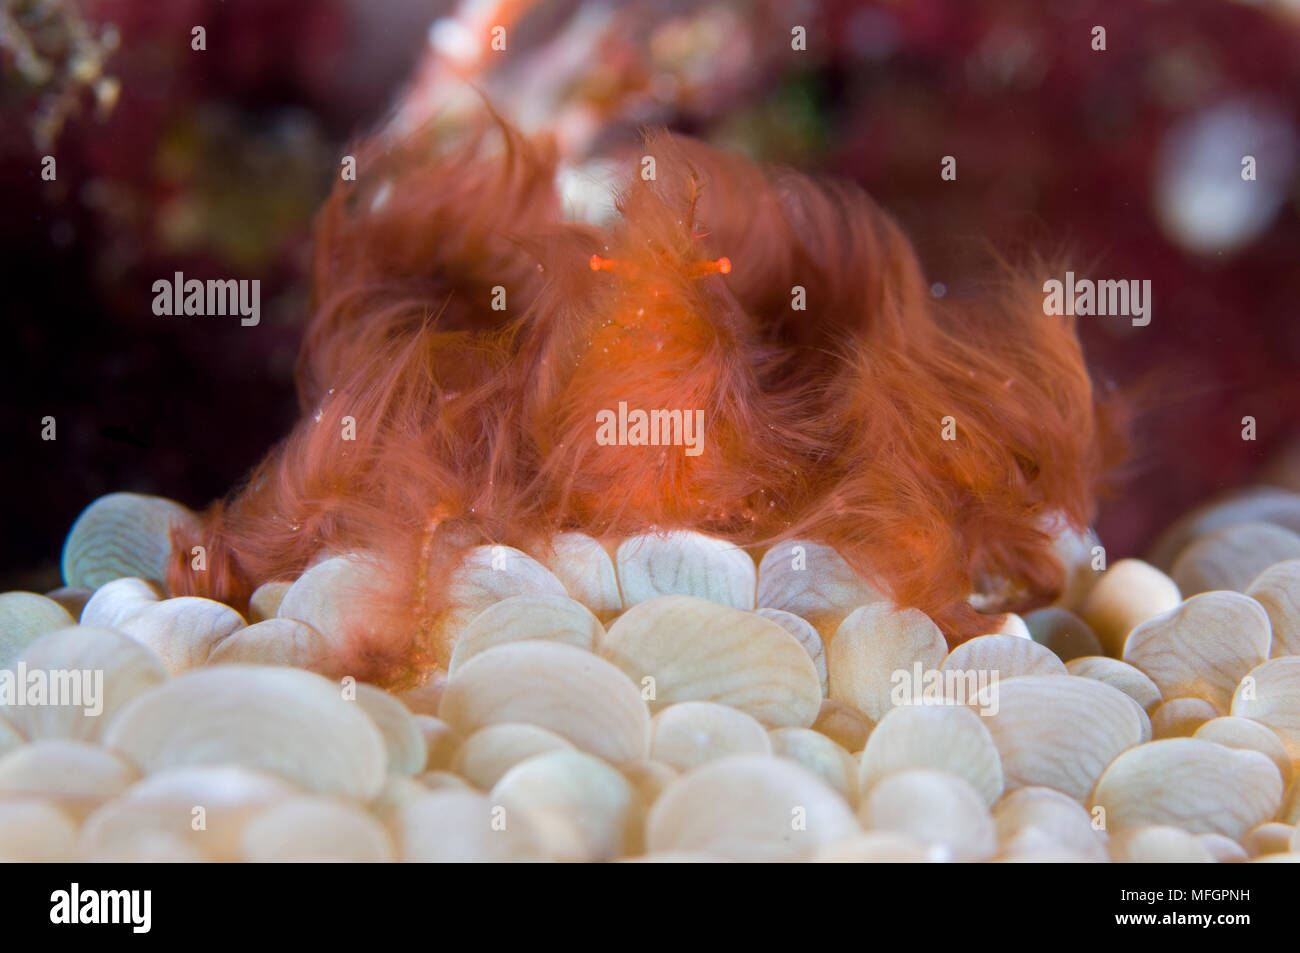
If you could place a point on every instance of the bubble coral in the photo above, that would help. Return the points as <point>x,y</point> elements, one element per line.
<point>476,425</point>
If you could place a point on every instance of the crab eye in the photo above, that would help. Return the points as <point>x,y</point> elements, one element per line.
<point>719,266</point>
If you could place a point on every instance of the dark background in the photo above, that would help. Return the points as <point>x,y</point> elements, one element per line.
<point>214,163</point>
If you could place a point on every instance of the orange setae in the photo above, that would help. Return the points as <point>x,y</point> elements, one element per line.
<point>476,425</point>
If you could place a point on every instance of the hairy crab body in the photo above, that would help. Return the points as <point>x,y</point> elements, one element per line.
<point>477,340</point>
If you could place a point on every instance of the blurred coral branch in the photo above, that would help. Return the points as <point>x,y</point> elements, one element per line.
<point>52,48</point>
